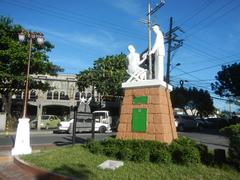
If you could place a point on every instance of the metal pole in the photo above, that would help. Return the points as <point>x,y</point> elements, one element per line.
<point>74,125</point>
<point>27,79</point>
<point>169,51</point>
<point>93,127</point>
<point>149,40</point>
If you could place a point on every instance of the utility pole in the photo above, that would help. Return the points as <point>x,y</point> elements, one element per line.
<point>149,39</point>
<point>171,37</point>
<point>169,51</point>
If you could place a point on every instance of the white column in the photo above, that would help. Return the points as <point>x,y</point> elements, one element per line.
<point>39,115</point>
<point>22,140</point>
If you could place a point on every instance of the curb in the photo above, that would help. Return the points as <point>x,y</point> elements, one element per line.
<point>34,146</point>
<point>3,133</point>
<point>38,172</point>
<point>4,159</point>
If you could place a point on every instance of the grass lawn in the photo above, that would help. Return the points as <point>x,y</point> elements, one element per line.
<point>78,162</point>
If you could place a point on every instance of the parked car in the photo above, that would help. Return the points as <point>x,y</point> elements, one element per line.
<point>218,123</point>
<point>203,124</point>
<point>47,121</point>
<point>185,122</point>
<point>65,125</point>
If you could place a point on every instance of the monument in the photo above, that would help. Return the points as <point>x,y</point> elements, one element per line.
<point>146,111</point>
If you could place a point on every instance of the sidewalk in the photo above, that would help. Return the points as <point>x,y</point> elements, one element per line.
<point>9,170</point>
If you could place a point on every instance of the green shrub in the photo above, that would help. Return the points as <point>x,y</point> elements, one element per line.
<point>185,141</point>
<point>233,133</point>
<point>111,147</point>
<point>205,156</point>
<point>161,155</point>
<point>140,155</point>
<point>124,154</point>
<point>184,151</point>
<point>95,147</point>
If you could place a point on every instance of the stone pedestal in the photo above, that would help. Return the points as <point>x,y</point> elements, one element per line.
<point>22,140</point>
<point>146,112</point>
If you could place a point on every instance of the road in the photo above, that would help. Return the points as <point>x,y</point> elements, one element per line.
<point>49,138</point>
<point>213,141</point>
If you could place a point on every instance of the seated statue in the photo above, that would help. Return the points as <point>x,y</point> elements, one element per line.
<point>136,72</point>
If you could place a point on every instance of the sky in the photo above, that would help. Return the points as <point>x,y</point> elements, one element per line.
<point>83,31</point>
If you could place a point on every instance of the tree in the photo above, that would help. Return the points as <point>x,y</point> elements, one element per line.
<point>13,63</point>
<point>227,83</point>
<point>106,75</point>
<point>192,99</point>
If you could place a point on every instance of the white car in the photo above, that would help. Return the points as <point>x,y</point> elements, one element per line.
<point>64,125</point>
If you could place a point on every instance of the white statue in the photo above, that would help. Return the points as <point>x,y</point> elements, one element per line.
<point>136,72</point>
<point>158,50</point>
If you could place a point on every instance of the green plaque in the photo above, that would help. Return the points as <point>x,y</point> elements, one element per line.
<point>140,100</point>
<point>139,119</point>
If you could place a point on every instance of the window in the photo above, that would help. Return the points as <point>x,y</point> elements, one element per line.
<point>79,120</point>
<point>49,95</point>
<point>33,95</point>
<point>88,120</point>
<point>62,95</point>
<point>55,95</point>
<point>77,96</point>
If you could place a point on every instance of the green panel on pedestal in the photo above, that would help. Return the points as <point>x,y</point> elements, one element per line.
<point>139,119</point>
<point>140,100</point>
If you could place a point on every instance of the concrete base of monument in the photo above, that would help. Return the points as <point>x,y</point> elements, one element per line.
<point>22,140</point>
<point>147,83</point>
<point>146,112</point>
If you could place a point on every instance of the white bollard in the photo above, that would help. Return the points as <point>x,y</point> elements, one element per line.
<point>22,140</point>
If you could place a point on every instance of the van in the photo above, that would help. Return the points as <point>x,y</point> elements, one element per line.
<point>84,122</point>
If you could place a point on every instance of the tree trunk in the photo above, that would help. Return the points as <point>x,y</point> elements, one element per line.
<point>7,105</point>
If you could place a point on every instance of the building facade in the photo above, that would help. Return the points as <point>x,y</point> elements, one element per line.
<point>57,101</point>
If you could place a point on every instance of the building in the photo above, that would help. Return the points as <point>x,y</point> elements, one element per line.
<point>58,101</point>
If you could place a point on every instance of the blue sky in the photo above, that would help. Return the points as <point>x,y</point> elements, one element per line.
<point>83,31</point>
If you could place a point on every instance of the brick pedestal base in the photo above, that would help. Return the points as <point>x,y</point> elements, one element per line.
<point>160,125</point>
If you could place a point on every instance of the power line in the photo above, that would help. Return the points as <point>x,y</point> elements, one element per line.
<point>205,5</point>
<point>204,53</point>
<point>209,67</point>
<point>93,24</point>
<point>216,19</point>
<point>211,15</point>
<point>195,77</point>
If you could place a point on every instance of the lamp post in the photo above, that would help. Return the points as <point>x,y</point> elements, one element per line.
<point>168,73</point>
<point>39,37</point>
<point>22,140</point>
<point>174,66</point>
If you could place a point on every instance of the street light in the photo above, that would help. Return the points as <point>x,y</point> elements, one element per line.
<point>39,38</point>
<point>168,72</point>
<point>22,140</point>
<point>181,82</point>
<point>173,66</point>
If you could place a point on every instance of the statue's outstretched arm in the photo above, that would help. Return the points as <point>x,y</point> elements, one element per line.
<point>144,57</point>
<point>155,46</point>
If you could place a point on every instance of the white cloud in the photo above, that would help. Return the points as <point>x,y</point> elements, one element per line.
<point>100,39</point>
<point>133,7</point>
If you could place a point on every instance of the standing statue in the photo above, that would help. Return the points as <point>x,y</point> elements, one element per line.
<point>158,50</point>
<point>136,72</point>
